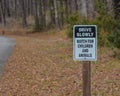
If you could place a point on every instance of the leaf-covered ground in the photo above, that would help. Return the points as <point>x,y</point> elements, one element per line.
<point>42,65</point>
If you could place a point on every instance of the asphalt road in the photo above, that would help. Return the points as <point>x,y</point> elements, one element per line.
<point>6,46</point>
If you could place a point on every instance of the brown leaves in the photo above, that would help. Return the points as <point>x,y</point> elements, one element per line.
<point>45,67</point>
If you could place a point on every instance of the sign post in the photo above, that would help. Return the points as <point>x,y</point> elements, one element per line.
<point>86,78</point>
<point>85,49</point>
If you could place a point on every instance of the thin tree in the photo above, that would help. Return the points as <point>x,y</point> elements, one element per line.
<point>24,17</point>
<point>90,9</point>
<point>83,8</point>
<point>2,8</point>
<point>56,15</point>
<point>61,13</point>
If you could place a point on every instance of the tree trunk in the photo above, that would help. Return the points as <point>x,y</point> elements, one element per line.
<point>0,17</point>
<point>83,8</point>
<point>31,7</point>
<point>66,8</point>
<point>41,12</point>
<point>117,8</point>
<point>90,8</point>
<point>110,6</point>
<point>36,8</point>
<point>61,14</point>
<point>52,13</point>
<point>3,15</point>
<point>73,6</point>
<point>8,9</point>
<point>24,17</point>
<point>44,13</point>
<point>15,8</point>
<point>56,15</point>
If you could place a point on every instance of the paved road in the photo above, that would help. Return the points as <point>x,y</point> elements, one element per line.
<point>6,47</point>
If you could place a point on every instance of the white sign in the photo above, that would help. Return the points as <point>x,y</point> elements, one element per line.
<point>85,42</point>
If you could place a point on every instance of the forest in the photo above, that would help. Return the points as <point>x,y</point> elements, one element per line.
<point>39,15</point>
<point>42,64</point>
<point>51,12</point>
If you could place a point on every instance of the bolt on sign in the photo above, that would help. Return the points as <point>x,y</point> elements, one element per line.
<point>85,42</point>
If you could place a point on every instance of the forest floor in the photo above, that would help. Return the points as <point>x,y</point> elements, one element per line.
<point>42,65</point>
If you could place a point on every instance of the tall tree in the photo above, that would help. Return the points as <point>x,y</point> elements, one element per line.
<point>61,13</point>
<point>83,8</point>
<point>40,11</point>
<point>24,17</point>
<point>66,8</point>
<point>73,6</point>
<point>3,11</point>
<point>116,8</point>
<point>31,7</point>
<point>52,13</point>
<point>8,9</point>
<point>36,8</point>
<point>90,8</point>
<point>44,13</point>
<point>15,3</point>
<point>56,15</point>
<point>110,7</point>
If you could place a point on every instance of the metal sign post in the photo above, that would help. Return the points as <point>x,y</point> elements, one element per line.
<point>85,49</point>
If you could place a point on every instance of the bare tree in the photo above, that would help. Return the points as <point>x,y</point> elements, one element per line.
<point>110,6</point>
<point>56,15</point>
<point>90,8</point>
<point>24,17</point>
<point>61,20</point>
<point>83,9</point>
<point>3,11</point>
<point>8,8</point>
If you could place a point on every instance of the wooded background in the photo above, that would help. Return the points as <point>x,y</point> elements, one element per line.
<point>51,13</point>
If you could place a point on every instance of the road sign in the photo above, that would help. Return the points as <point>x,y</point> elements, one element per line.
<point>85,42</point>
